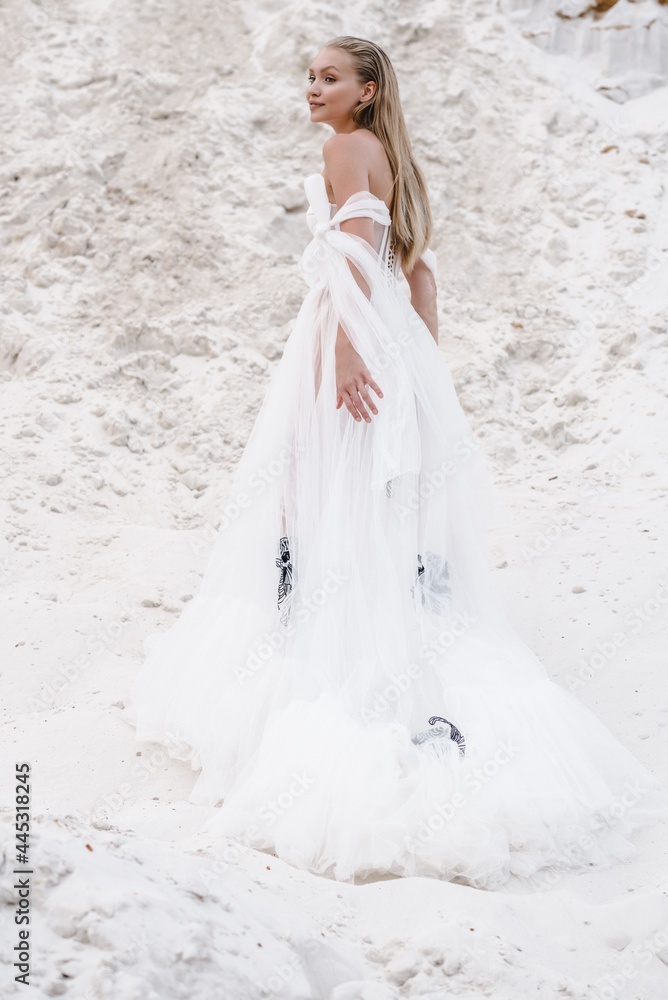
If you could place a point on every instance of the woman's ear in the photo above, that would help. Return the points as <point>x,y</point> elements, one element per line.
<point>368,92</point>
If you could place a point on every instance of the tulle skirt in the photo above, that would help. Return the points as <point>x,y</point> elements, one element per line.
<point>346,682</point>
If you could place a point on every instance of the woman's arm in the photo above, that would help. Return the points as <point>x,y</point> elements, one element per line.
<point>347,170</point>
<point>422,284</point>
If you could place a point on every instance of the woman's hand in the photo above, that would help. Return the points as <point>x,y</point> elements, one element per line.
<point>352,378</point>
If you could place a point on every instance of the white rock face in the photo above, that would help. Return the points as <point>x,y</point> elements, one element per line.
<point>622,45</point>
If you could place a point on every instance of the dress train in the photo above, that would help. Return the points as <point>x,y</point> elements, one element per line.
<point>346,681</point>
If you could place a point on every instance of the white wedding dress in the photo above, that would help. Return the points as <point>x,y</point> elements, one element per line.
<point>346,679</point>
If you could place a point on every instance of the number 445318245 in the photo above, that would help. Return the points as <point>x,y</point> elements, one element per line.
<point>22,813</point>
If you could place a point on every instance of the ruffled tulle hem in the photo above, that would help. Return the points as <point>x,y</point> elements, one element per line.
<point>548,791</point>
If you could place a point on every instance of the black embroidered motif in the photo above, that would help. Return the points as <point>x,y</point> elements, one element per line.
<point>433,582</point>
<point>284,563</point>
<point>428,736</point>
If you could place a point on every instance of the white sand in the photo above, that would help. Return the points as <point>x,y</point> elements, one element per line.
<point>152,212</point>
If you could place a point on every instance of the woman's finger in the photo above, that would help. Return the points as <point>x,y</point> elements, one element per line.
<point>374,385</point>
<point>367,399</point>
<point>350,404</point>
<point>357,400</point>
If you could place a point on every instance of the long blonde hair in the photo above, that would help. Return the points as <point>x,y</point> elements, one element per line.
<point>411,215</point>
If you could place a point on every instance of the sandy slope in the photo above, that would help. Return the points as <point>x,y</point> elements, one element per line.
<point>152,210</point>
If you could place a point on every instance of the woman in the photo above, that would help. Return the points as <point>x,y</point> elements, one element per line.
<point>346,680</point>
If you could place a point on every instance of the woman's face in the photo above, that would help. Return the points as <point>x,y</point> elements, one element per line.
<point>333,89</point>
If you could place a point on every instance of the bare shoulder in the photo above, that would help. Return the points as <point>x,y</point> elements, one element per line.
<point>361,144</point>
<point>347,166</point>
<point>343,145</point>
<point>356,161</point>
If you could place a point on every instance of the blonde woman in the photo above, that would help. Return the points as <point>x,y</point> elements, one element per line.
<point>346,681</point>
